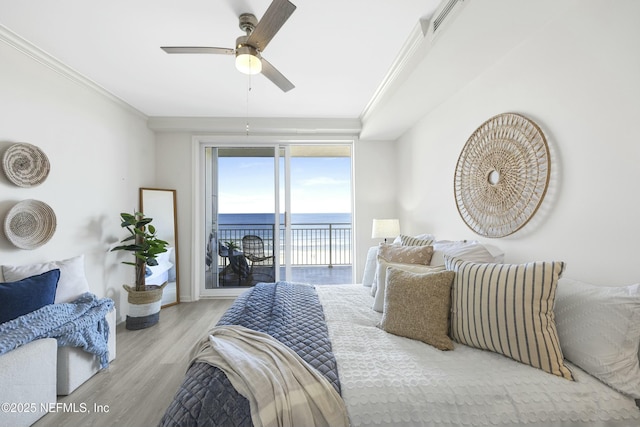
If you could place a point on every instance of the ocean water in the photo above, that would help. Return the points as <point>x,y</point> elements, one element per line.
<point>296,219</point>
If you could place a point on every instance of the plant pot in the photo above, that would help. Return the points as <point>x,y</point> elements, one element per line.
<point>144,306</point>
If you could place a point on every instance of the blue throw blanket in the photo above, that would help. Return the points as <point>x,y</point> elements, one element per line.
<point>80,323</point>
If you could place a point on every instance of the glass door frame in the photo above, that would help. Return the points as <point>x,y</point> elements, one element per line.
<point>287,209</point>
<point>199,144</point>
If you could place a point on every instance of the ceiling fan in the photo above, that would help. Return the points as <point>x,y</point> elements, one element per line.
<point>249,48</point>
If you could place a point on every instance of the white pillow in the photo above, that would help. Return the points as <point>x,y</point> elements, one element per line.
<point>472,251</point>
<point>71,285</point>
<point>599,330</point>
<point>370,267</point>
<point>381,277</point>
<point>374,286</point>
<point>496,253</point>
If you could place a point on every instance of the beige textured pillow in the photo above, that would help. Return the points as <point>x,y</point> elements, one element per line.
<point>406,254</point>
<point>508,309</point>
<point>417,306</point>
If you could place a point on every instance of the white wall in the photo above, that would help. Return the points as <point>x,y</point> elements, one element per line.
<point>174,163</point>
<point>375,193</point>
<point>577,76</point>
<point>99,153</point>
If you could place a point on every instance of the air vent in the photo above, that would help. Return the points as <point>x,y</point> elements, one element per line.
<point>444,12</point>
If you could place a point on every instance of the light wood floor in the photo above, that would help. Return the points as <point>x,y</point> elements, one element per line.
<point>149,367</point>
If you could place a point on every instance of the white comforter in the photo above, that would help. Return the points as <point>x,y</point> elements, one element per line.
<point>395,381</point>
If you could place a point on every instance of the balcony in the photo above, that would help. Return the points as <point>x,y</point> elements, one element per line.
<point>320,253</point>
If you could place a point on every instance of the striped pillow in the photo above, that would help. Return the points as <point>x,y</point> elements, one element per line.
<point>508,309</point>
<point>414,241</point>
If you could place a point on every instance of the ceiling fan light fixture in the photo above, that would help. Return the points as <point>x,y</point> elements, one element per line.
<point>248,60</point>
<point>249,47</point>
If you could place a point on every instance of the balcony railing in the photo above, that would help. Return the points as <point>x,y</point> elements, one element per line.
<point>326,244</point>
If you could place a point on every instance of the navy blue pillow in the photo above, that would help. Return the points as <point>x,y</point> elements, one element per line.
<point>27,295</point>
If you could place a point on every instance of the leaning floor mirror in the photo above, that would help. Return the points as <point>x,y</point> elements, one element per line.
<point>160,205</point>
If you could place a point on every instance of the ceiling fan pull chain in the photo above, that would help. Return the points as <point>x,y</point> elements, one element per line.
<point>248,91</point>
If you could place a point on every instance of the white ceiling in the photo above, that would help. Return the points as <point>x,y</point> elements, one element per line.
<point>336,52</point>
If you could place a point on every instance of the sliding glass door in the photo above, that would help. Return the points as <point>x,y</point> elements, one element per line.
<point>319,224</point>
<point>242,216</point>
<point>277,212</point>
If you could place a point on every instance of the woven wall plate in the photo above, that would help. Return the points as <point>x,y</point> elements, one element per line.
<point>25,165</point>
<point>30,224</point>
<point>502,175</point>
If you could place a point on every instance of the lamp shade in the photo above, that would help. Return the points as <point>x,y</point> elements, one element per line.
<point>383,228</point>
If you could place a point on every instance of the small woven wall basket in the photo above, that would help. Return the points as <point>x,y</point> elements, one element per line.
<point>25,165</point>
<point>30,224</point>
<point>502,175</point>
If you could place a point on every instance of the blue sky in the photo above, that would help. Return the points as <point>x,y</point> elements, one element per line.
<point>318,185</point>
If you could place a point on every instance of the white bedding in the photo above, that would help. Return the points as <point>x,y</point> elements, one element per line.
<point>395,381</point>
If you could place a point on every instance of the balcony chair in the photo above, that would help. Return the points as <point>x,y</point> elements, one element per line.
<point>253,249</point>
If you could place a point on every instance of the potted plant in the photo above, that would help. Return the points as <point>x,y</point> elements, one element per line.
<point>144,300</point>
<point>231,246</point>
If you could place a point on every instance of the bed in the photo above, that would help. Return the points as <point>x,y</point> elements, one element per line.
<point>390,380</point>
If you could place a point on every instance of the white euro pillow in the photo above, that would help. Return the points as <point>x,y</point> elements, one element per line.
<point>72,282</point>
<point>370,267</point>
<point>599,331</point>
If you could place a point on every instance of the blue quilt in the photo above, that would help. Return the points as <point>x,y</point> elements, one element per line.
<point>80,323</point>
<point>290,313</point>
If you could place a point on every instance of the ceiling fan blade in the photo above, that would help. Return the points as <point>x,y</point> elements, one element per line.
<point>270,72</point>
<point>198,49</point>
<point>275,16</point>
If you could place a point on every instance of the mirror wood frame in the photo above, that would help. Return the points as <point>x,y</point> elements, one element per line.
<point>167,216</point>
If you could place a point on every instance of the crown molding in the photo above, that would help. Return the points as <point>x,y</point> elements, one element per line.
<point>404,63</point>
<point>10,38</point>
<point>256,125</point>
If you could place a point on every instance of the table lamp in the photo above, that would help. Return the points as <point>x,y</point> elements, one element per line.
<point>383,228</point>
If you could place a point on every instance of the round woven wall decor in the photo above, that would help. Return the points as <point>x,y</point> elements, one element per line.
<point>25,165</point>
<point>30,224</point>
<point>502,175</point>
